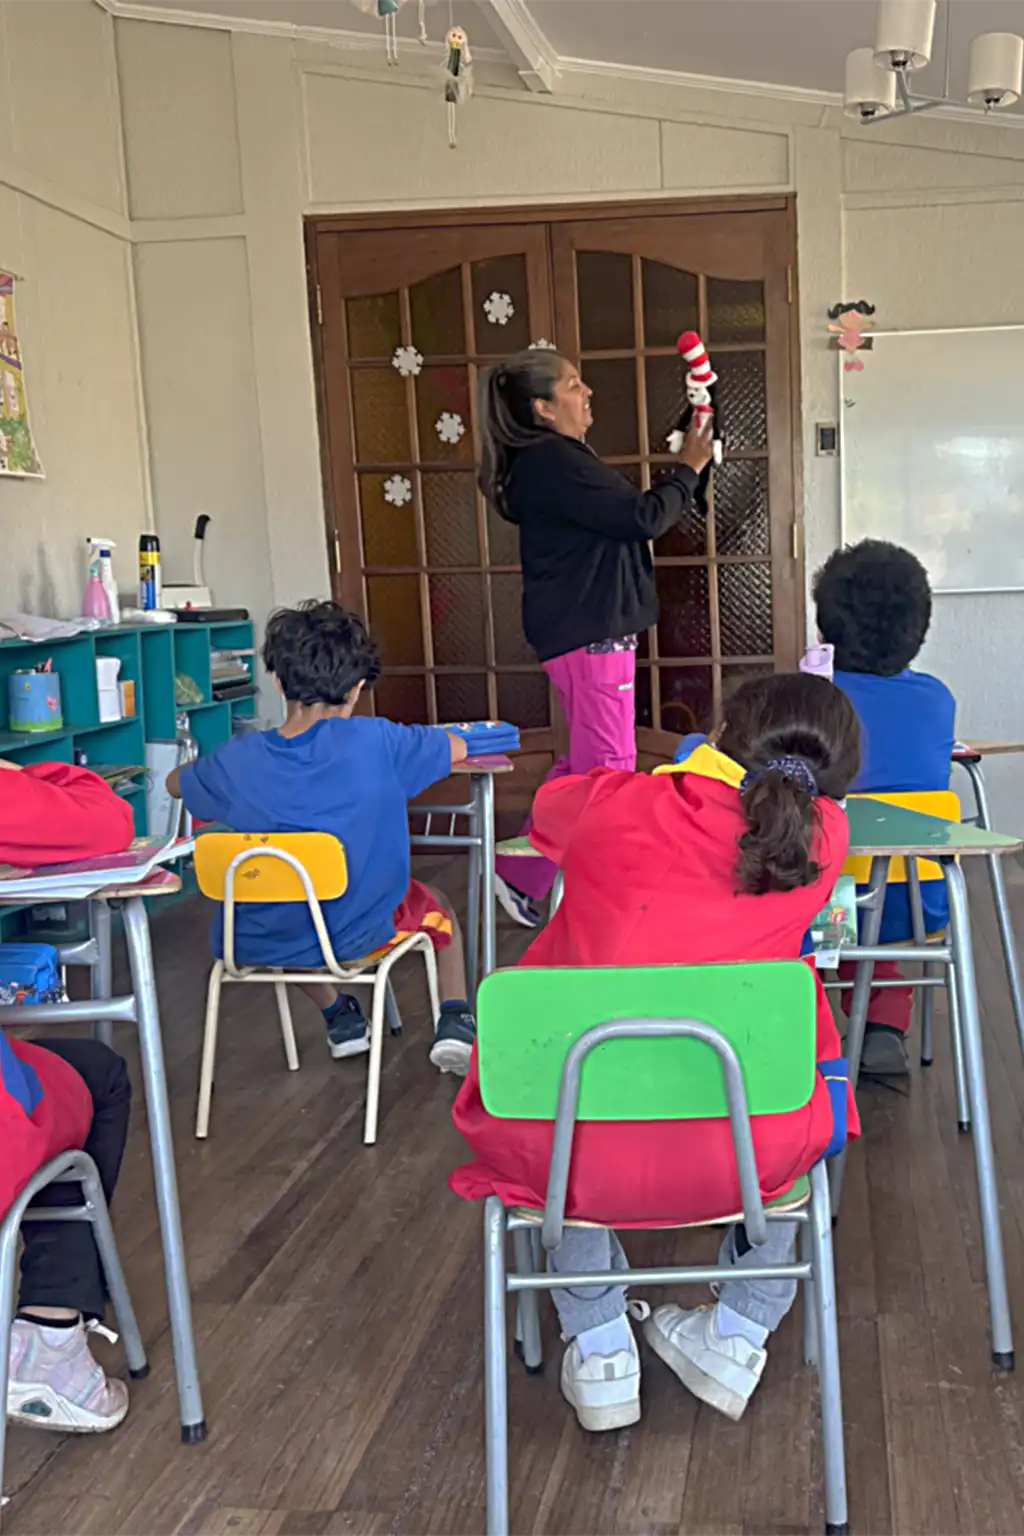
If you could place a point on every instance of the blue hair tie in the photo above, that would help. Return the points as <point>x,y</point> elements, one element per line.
<point>794,768</point>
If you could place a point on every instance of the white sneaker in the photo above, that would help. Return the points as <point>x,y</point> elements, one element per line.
<point>521,909</point>
<point>722,1372</point>
<point>603,1389</point>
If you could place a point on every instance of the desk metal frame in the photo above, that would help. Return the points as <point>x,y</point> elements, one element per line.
<point>958,955</point>
<point>481,936</point>
<point>139,1007</point>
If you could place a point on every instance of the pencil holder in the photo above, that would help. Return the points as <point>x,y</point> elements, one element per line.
<point>34,701</point>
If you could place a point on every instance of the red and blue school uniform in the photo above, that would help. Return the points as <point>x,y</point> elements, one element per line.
<point>49,813</point>
<point>650,866</point>
<point>354,779</point>
<point>907,727</point>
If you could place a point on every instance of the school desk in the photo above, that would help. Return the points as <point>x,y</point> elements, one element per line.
<point>138,1007</point>
<point>969,756</point>
<point>479,841</point>
<point>883,832</point>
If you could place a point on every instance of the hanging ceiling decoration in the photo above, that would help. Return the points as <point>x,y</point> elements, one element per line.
<point>878,78</point>
<point>387,11</point>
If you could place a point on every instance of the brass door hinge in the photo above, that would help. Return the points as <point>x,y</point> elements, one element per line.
<point>789,285</point>
<point>337,554</point>
<point>319,306</point>
<point>796,533</point>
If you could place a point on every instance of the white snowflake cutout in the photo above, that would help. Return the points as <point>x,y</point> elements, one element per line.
<point>450,427</point>
<point>398,490</point>
<point>499,309</point>
<point>542,345</point>
<point>407,360</point>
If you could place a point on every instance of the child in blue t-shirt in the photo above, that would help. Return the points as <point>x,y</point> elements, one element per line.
<point>328,770</point>
<point>874,605</point>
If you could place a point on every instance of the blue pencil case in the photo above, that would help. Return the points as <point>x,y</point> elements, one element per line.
<point>29,973</point>
<point>486,738</point>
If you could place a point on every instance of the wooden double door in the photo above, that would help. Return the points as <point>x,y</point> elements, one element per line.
<point>406,313</point>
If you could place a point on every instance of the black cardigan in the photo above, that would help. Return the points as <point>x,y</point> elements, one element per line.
<point>584,535</point>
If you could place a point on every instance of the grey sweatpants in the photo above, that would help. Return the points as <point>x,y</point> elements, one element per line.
<point>764,1302</point>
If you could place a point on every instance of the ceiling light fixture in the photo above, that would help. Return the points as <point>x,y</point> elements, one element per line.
<point>878,78</point>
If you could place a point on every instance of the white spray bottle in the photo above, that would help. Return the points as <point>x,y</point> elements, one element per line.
<point>101,549</point>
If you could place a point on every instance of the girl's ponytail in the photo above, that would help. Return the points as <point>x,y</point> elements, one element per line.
<point>775,850</point>
<point>798,737</point>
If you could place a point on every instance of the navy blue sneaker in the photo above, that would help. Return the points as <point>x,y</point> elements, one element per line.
<point>348,1033</point>
<point>453,1039</point>
<point>520,908</point>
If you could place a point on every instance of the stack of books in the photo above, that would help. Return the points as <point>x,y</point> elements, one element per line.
<point>486,738</point>
<point>231,674</point>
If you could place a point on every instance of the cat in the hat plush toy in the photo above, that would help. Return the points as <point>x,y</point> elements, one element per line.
<point>700,401</point>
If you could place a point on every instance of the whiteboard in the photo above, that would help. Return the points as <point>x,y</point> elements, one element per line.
<point>932,445</point>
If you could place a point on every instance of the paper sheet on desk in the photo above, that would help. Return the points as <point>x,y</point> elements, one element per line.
<point>131,867</point>
<point>29,626</point>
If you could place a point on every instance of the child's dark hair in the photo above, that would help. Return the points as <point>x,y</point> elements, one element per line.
<point>874,605</point>
<point>319,652</point>
<point>798,737</point>
<point>507,421</point>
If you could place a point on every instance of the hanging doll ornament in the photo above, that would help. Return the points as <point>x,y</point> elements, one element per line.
<point>458,75</point>
<point>700,401</point>
<point>387,11</point>
<point>849,322</point>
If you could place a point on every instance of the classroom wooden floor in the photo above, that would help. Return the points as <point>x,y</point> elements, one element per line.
<point>338,1314</point>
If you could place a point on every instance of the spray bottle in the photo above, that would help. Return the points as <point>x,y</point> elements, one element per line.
<point>95,603</point>
<point>101,549</point>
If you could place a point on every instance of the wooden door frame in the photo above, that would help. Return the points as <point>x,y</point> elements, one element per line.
<point>315,225</point>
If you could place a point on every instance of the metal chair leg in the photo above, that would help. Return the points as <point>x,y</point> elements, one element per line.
<point>495,1369</point>
<point>927,1021</point>
<point>391,1012</point>
<point>291,1054</point>
<point>209,1050</point>
<point>956,1038</point>
<point>836,1514</point>
<point>374,1066</point>
<point>103,1235</point>
<point>8,1255</point>
<point>810,1300</point>
<point>527,1308</point>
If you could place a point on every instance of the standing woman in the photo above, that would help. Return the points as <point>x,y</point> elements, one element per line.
<point>588,574</point>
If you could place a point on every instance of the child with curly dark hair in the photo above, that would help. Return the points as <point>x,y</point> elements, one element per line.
<point>327,769</point>
<point>874,605</point>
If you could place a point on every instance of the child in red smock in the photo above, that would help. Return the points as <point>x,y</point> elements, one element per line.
<point>727,856</point>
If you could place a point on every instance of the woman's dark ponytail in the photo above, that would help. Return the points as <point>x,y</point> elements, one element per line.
<point>798,737</point>
<point>507,420</point>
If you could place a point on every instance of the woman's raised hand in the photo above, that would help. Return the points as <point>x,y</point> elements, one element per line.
<point>697,444</point>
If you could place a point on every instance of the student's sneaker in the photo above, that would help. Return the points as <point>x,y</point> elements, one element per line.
<point>603,1389</point>
<point>521,909</point>
<point>722,1372</point>
<point>56,1384</point>
<point>348,1033</point>
<point>454,1039</point>
<point>885,1052</point>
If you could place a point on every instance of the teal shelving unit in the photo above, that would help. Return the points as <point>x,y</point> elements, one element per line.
<point>151,657</point>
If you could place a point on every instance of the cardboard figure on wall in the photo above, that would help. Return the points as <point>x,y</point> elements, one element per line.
<point>849,322</point>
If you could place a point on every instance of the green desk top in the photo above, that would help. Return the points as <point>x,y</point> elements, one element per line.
<point>879,828</point>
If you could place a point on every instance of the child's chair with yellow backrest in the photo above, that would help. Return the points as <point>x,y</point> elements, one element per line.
<point>944,803</point>
<point>310,867</point>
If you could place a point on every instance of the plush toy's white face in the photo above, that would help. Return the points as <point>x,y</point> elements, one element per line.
<point>456,37</point>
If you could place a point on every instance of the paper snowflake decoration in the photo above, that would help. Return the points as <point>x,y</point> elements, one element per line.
<point>542,345</point>
<point>499,309</point>
<point>450,426</point>
<point>407,360</point>
<point>398,490</point>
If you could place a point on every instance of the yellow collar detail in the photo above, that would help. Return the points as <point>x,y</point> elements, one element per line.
<point>708,763</point>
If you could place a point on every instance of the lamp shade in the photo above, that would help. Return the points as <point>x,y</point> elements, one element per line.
<point>996,68</point>
<point>903,34</point>
<point>870,89</point>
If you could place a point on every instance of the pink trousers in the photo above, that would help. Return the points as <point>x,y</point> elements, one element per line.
<point>887,1005</point>
<point>598,699</point>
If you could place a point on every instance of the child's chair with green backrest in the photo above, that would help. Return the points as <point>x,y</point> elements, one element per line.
<point>945,804</point>
<point>650,1043</point>
<point>289,867</point>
